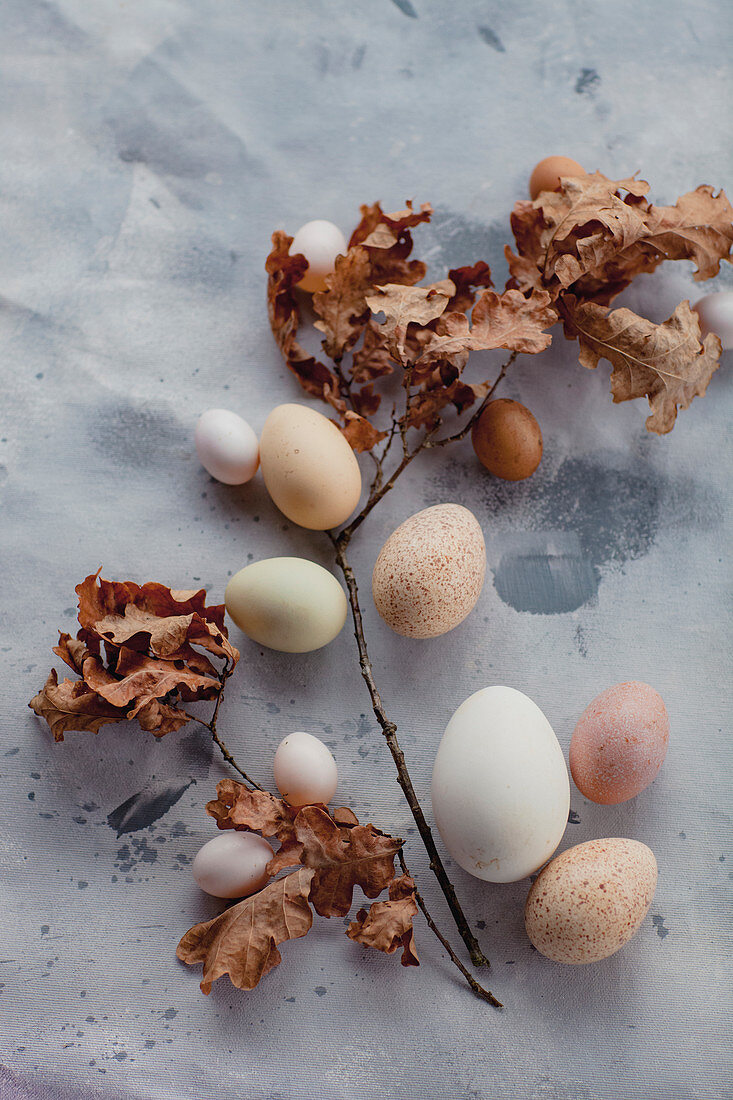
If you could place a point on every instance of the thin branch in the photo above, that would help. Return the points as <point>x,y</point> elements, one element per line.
<point>467,427</point>
<point>478,989</point>
<point>389,730</point>
<point>211,727</point>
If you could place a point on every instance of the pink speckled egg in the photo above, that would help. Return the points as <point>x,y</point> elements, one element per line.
<point>619,743</point>
<point>589,901</point>
<point>430,571</point>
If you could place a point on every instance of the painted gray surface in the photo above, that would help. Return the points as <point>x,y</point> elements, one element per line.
<point>148,150</point>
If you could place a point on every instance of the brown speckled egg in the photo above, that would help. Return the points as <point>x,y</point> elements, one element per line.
<point>546,175</point>
<point>589,901</point>
<point>507,440</point>
<point>430,571</point>
<point>619,743</point>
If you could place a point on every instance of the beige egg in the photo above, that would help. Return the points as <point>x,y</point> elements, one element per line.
<point>589,901</point>
<point>310,470</point>
<point>430,571</point>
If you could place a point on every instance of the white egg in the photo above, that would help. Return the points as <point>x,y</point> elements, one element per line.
<point>501,792</point>
<point>716,315</point>
<point>320,242</point>
<point>305,771</point>
<point>227,447</point>
<point>232,865</point>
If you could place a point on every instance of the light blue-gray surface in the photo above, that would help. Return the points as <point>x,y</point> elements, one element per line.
<point>149,147</point>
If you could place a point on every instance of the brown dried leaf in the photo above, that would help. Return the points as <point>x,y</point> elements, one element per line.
<point>359,433</point>
<point>388,241</point>
<point>139,679</point>
<point>387,925</point>
<point>70,705</point>
<point>344,817</point>
<point>161,718</point>
<point>342,307</point>
<point>372,360</point>
<point>239,807</point>
<point>698,227</point>
<point>403,306</point>
<point>466,281</point>
<point>242,942</point>
<point>284,272</point>
<point>343,858</point>
<point>666,363</point>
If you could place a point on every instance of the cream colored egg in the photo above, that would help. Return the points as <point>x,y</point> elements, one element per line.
<point>232,865</point>
<point>310,470</point>
<point>290,604</point>
<point>500,790</point>
<point>590,901</point>
<point>320,242</point>
<point>430,571</point>
<point>305,771</point>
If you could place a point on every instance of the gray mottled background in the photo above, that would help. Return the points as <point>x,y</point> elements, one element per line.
<point>149,147</point>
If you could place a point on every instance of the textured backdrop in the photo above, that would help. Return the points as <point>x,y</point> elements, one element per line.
<point>148,150</point>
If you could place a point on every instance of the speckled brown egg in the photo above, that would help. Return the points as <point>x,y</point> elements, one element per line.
<point>547,174</point>
<point>430,571</point>
<point>507,440</point>
<point>619,743</point>
<point>589,901</point>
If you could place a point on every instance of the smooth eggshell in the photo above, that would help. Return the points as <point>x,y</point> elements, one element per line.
<point>547,174</point>
<point>619,743</point>
<point>305,771</point>
<point>227,446</point>
<point>590,901</point>
<point>320,242</point>
<point>500,790</point>
<point>289,604</point>
<point>232,865</point>
<point>310,470</point>
<point>507,440</point>
<point>716,315</point>
<point>430,571</point>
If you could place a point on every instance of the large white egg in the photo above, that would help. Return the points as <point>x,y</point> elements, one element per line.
<point>289,604</point>
<point>320,242</point>
<point>227,447</point>
<point>305,771</point>
<point>501,792</point>
<point>232,865</point>
<point>716,315</point>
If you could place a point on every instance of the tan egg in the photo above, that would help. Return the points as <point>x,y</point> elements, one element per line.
<point>546,175</point>
<point>589,901</point>
<point>430,571</point>
<point>310,470</point>
<point>507,440</point>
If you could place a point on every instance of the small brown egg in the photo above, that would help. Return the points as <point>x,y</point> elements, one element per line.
<point>547,174</point>
<point>619,743</point>
<point>507,440</point>
<point>590,900</point>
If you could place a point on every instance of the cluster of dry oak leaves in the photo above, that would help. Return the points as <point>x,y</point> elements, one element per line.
<point>142,650</point>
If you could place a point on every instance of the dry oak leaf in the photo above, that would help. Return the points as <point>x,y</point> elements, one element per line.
<point>70,705</point>
<point>372,360</point>
<point>387,925</point>
<point>388,241</point>
<point>507,320</point>
<point>343,858</point>
<point>342,307</point>
<point>407,305</point>
<point>698,227</point>
<point>284,272</point>
<point>466,281</point>
<point>359,433</point>
<point>666,363</point>
<point>152,618</point>
<point>243,941</point>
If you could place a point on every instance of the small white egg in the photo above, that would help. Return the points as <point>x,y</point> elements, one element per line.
<point>716,315</point>
<point>320,242</point>
<point>227,447</point>
<point>305,771</point>
<point>232,865</point>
